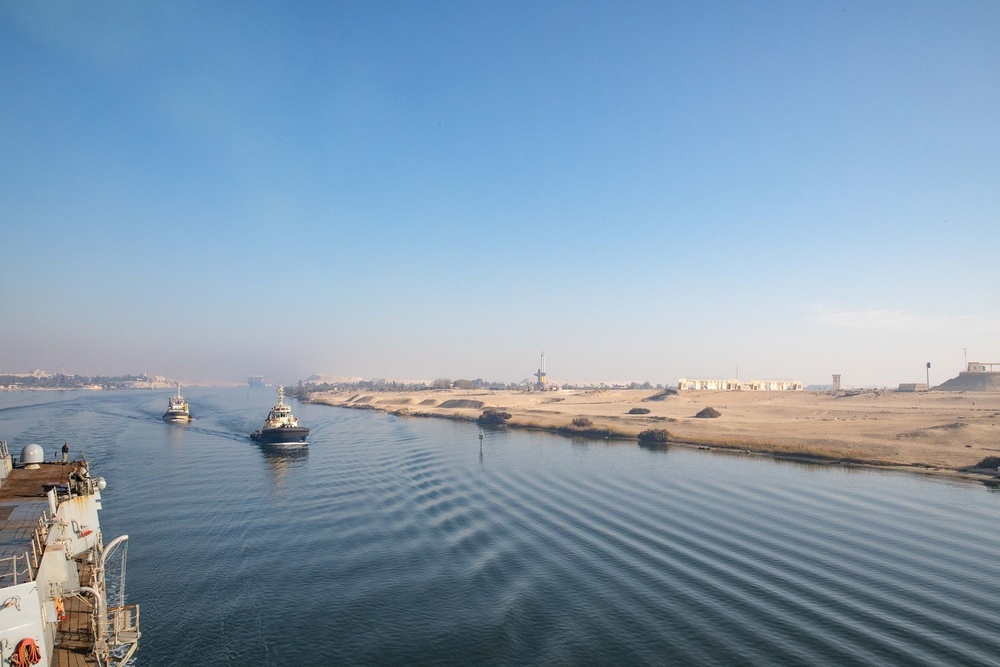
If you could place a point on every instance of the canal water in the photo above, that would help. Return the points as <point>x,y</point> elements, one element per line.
<point>399,541</point>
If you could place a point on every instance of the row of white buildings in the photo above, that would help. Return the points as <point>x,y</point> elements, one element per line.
<point>685,384</point>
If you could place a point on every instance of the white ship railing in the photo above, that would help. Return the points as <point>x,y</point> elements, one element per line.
<point>124,624</point>
<point>119,627</point>
<point>9,569</point>
<point>32,557</point>
<point>6,462</point>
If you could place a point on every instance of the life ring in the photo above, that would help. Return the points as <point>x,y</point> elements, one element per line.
<point>26,653</point>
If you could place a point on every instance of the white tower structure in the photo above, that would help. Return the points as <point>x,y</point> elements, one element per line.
<point>543,381</point>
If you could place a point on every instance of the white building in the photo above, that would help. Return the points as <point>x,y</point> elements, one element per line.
<point>685,384</point>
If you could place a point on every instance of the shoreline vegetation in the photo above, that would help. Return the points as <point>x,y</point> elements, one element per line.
<point>945,433</point>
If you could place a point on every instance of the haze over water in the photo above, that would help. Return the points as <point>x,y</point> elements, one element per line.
<point>394,540</point>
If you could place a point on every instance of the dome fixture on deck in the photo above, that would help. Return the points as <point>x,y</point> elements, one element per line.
<point>32,455</point>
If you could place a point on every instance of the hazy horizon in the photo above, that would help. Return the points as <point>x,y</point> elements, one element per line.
<point>553,381</point>
<point>645,191</point>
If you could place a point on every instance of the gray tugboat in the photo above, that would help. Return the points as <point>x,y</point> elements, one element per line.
<point>281,427</point>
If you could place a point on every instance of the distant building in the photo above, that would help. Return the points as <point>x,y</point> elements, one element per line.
<point>981,367</point>
<point>836,382</point>
<point>912,386</point>
<point>685,384</point>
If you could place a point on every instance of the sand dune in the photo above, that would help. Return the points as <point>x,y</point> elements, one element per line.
<point>933,430</point>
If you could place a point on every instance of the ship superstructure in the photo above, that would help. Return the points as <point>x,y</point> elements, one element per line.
<point>54,606</point>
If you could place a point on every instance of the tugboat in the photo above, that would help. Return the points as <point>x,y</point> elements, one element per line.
<point>177,408</point>
<point>281,427</point>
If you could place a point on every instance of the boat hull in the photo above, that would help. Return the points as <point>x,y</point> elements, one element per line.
<point>175,417</point>
<point>275,436</point>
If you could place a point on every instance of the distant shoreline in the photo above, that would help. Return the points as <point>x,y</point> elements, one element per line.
<point>154,386</point>
<point>940,433</point>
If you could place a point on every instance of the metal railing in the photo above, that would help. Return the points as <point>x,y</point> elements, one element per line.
<point>9,569</point>
<point>123,623</point>
<point>32,556</point>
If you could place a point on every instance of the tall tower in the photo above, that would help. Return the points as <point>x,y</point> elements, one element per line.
<point>543,381</point>
<point>836,382</point>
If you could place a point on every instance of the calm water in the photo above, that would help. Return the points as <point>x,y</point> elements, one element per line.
<point>394,541</point>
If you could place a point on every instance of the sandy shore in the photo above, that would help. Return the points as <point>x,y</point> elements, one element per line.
<point>944,431</point>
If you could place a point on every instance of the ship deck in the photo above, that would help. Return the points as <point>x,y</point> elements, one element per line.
<point>22,503</point>
<point>18,521</point>
<point>75,635</point>
<point>24,483</point>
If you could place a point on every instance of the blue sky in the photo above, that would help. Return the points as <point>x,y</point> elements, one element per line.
<point>646,191</point>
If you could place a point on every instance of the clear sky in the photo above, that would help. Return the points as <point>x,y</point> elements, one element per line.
<point>643,190</point>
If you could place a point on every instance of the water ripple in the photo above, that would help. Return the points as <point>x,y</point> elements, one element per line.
<point>392,540</point>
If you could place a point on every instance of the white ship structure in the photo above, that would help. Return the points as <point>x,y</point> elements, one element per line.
<point>54,606</point>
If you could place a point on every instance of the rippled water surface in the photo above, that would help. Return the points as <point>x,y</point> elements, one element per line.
<point>395,540</point>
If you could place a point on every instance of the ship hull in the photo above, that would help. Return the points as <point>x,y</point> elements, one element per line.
<point>277,436</point>
<point>177,417</point>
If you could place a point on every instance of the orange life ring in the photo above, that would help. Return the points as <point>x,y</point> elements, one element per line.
<point>26,653</point>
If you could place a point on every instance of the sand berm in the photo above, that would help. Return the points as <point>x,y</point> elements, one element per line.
<point>940,432</point>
